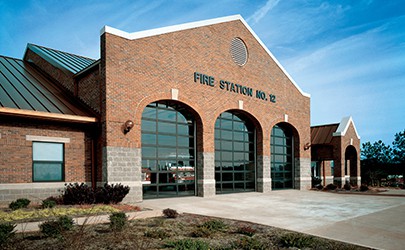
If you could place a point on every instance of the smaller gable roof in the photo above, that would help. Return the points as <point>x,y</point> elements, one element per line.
<point>344,125</point>
<point>191,25</point>
<point>62,60</point>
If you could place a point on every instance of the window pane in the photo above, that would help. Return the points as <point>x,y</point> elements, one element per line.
<point>47,171</point>
<point>149,126</point>
<point>168,140</point>
<point>149,112</point>
<point>43,151</point>
<point>164,127</point>
<point>167,115</point>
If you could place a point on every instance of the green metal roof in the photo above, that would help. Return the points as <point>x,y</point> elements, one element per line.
<point>63,60</point>
<point>23,87</point>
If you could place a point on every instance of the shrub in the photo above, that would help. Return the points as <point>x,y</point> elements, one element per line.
<point>249,243</point>
<point>48,203</point>
<point>19,203</point>
<point>156,234</point>
<point>188,244</point>
<point>319,187</point>
<point>6,232</point>
<point>331,186</point>
<point>118,221</point>
<point>113,193</point>
<point>214,225</point>
<point>54,228</point>
<point>246,230</point>
<point>347,186</point>
<point>58,199</point>
<point>75,193</point>
<point>363,188</point>
<point>297,240</point>
<point>170,213</point>
<point>202,232</point>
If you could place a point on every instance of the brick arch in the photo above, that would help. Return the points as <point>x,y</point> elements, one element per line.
<point>252,118</point>
<point>351,164</point>
<point>296,135</point>
<point>195,109</point>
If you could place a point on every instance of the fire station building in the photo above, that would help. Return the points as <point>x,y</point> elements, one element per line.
<point>197,109</point>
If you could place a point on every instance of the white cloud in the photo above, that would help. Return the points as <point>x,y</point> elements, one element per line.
<point>262,12</point>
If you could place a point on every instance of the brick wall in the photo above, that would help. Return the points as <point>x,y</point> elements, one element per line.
<point>88,89</point>
<point>138,72</point>
<point>16,150</point>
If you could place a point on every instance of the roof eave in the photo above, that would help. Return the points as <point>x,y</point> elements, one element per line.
<point>47,116</point>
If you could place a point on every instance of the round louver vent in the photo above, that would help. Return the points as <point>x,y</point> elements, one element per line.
<point>239,51</point>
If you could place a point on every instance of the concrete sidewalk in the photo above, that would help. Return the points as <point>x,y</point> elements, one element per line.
<point>374,221</point>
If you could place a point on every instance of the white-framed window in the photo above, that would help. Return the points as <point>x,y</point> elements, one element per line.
<point>47,161</point>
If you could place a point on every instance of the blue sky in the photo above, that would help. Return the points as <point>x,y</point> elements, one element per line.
<point>349,55</point>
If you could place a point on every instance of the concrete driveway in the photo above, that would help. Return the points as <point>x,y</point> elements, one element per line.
<point>374,221</point>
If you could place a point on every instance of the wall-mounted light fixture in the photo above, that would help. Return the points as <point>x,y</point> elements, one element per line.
<point>128,125</point>
<point>307,146</point>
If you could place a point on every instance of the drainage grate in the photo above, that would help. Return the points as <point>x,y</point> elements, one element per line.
<point>239,51</point>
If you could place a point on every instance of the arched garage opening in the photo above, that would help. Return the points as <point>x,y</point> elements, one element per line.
<point>283,146</point>
<point>235,153</point>
<point>351,165</point>
<point>168,150</point>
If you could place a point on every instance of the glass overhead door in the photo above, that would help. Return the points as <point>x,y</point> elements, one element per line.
<point>168,151</point>
<point>281,158</point>
<point>235,166</point>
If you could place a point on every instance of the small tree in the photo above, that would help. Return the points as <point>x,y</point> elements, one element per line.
<point>399,150</point>
<point>374,157</point>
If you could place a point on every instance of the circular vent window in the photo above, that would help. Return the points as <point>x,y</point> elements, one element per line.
<point>239,51</point>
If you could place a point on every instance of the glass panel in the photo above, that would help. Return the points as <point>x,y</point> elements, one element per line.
<point>226,145</point>
<point>183,141</point>
<point>227,135</point>
<point>238,136</point>
<point>238,146</point>
<point>148,152</point>
<point>185,130</point>
<point>43,151</point>
<point>148,139</point>
<point>239,126</point>
<point>148,126</point>
<point>164,127</point>
<point>149,112</point>
<point>167,115</point>
<point>47,171</point>
<point>226,124</point>
<point>167,152</point>
<point>167,140</point>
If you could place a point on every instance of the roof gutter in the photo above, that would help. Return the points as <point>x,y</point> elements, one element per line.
<point>47,116</point>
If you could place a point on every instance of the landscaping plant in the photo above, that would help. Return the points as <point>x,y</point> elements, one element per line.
<point>19,203</point>
<point>55,228</point>
<point>170,213</point>
<point>6,232</point>
<point>118,221</point>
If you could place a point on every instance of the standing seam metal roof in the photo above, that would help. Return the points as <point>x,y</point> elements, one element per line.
<point>323,134</point>
<point>70,62</point>
<point>22,87</point>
